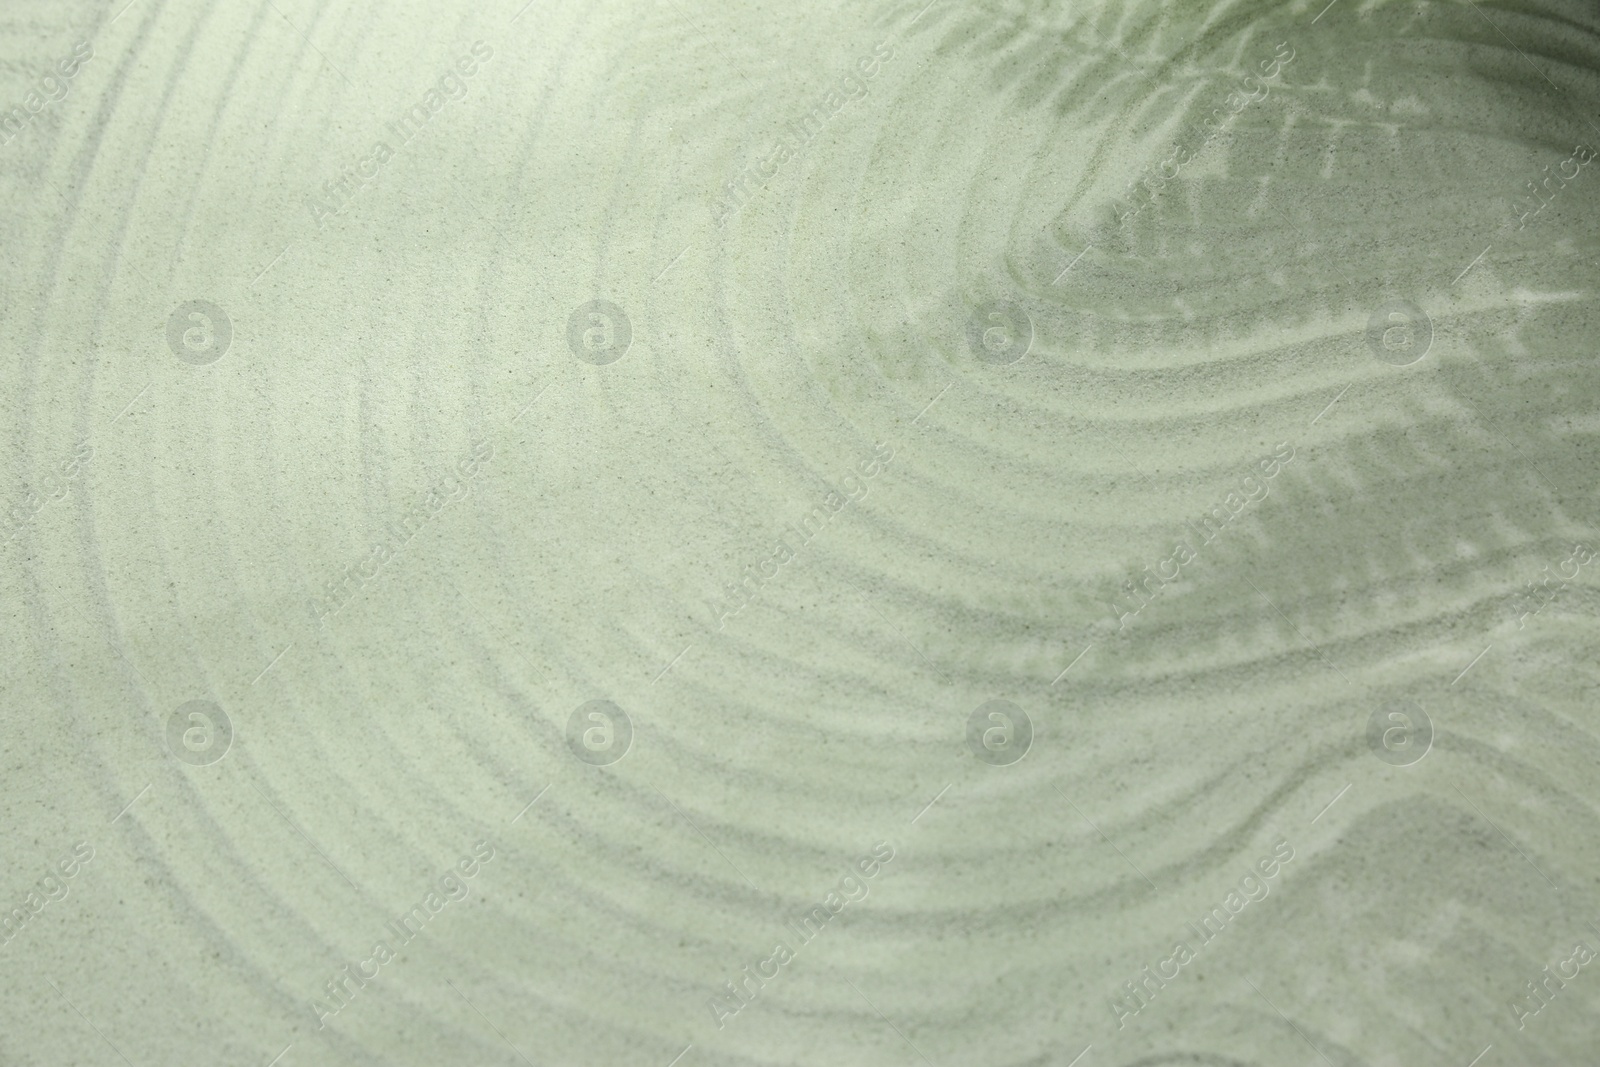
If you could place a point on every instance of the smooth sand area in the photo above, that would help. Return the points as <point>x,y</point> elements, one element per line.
<point>675,534</point>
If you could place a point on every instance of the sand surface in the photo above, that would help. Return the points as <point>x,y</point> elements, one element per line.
<point>675,534</point>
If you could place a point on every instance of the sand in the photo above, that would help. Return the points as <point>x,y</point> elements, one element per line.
<point>689,534</point>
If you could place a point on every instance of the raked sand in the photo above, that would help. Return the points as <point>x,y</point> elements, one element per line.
<point>652,534</point>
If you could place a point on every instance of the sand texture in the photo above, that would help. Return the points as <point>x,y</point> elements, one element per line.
<point>686,534</point>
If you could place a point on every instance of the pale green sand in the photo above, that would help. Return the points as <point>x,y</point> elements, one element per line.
<point>987,533</point>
